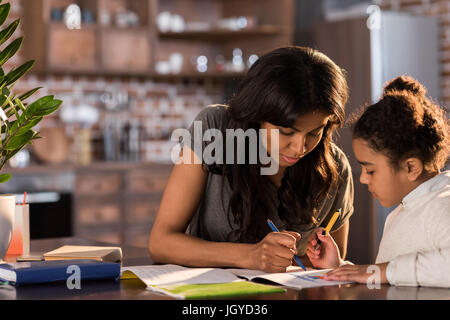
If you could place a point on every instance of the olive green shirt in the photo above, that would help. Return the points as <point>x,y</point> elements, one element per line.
<point>210,222</point>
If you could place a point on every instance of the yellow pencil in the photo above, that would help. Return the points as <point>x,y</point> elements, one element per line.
<point>329,226</point>
<point>332,221</point>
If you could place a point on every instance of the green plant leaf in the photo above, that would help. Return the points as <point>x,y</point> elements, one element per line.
<point>43,106</point>
<point>10,50</point>
<point>5,177</point>
<point>28,93</point>
<point>6,33</point>
<point>16,74</point>
<point>30,124</point>
<point>5,92</point>
<point>4,12</point>
<point>18,141</point>
<point>2,101</point>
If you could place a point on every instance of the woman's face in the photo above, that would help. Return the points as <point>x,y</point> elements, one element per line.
<point>294,143</point>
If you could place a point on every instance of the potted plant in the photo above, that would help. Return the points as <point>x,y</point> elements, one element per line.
<point>18,117</point>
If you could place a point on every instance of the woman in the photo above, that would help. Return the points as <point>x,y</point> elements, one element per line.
<point>215,214</point>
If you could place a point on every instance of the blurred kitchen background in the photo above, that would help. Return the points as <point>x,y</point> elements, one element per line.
<point>132,71</point>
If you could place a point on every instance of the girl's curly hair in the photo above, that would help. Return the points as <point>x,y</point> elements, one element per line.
<point>406,123</point>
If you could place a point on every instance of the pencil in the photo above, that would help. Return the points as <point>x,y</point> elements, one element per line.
<point>275,229</point>
<point>329,226</point>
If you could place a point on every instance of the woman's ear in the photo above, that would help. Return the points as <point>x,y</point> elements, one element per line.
<point>413,168</point>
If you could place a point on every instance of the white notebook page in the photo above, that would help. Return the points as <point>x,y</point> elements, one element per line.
<point>173,274</point>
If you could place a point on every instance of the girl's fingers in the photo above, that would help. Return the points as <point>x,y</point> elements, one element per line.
<point>324,238</point>
<point>343,268</point>
<point>337,278</point>
<point>311,253</point>
<point>342,271</point>
<point>350,276</point>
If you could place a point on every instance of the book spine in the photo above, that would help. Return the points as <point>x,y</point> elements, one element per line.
<point>60,273</point>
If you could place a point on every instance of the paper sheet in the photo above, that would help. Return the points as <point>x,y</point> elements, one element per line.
<point>299,279</point>
<point>173,274</point>
<point>250,273</point>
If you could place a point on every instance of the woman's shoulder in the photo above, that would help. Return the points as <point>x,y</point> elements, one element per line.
<point>341,159</point>
<point>213,116</point>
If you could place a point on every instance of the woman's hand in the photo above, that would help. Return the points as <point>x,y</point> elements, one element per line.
<point>275,252</point>
<point>327,254</point>
<point>357,273</point>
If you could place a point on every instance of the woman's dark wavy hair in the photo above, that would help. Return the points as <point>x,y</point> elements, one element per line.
<point>406,123</point>
<point>281,86</point>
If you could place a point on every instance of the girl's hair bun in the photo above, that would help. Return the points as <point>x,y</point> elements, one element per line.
<point>405,83</point>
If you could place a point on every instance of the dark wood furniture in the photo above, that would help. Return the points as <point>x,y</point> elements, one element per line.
<point>113,202</point>
<point>103,47</point>
<point>135,289</point>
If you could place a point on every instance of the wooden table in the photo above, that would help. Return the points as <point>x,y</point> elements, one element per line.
<point>134,289</point>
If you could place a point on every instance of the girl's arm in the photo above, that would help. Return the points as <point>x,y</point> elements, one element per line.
<point>430,269</point>
<point>340,236</point>
<point>169,243</point>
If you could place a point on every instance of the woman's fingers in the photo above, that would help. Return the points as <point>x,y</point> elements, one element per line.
<point>296,235</point>
<point>284,239</point>
<point>281,261</point>
<point>278,245</point>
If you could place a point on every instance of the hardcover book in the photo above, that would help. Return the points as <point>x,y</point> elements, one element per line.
<point>51,271</point>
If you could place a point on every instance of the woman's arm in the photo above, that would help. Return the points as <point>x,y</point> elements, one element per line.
<point>169,243</point>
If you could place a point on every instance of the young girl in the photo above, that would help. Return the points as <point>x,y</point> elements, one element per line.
<point>215,214</point>
<point>402,142</point>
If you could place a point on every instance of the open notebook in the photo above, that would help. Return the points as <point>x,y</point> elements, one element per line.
<point>195,283</point>
<point>294,277</point>
<point>169,278</point>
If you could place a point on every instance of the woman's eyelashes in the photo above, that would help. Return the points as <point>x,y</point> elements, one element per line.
<point>291,133</point>
<point>286,133</point>
<point>315,134</point>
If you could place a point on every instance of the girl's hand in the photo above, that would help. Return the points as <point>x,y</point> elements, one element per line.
<point>359,273</point>
<point>327,254</point>
<point>275,252</point>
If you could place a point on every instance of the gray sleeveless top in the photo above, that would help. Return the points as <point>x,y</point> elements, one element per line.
<point>210,222</point>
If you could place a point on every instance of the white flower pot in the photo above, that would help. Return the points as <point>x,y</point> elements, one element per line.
<point>7,207</point>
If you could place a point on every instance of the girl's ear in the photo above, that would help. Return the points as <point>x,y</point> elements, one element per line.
<point>413,168</point>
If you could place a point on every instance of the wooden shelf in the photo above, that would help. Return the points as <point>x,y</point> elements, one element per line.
<point>198,75</point>
<point>94,26</point>
<point>60,25</point>
<point>220,34</point>
<point>101,50</point>
<point>148,75</point>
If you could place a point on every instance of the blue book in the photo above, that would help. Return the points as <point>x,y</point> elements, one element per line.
<point>19,273</point>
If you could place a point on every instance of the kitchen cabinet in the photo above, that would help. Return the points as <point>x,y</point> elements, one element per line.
<point>118,203</point>
<point>153,38</point>
<point>114,202</point>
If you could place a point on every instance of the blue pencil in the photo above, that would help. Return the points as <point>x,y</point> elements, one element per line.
<point>275,229</point>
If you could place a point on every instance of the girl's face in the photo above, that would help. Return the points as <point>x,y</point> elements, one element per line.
<point>294,143</point>
<point>385,183</point>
